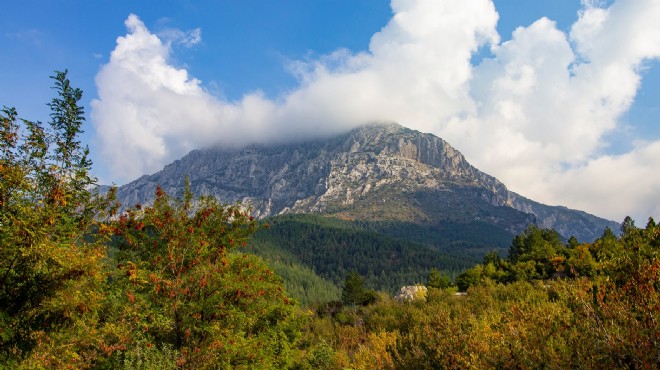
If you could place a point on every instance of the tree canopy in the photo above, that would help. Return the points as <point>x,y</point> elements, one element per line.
<point>50,265</point>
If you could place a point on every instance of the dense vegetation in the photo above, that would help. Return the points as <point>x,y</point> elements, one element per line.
<point>388,254</point>
<point>167,286</point>
<point>601,310</point>
<point>51,271</point>
<point>162,286</point>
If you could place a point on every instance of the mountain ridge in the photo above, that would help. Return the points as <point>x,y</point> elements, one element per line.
<point>377,171</point>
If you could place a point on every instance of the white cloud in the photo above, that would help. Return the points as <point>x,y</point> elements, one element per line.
<point>535,115</point>
<point>614,183</point>
<point>554,98</point>
<point>30,36</point>
<point>188,38</point>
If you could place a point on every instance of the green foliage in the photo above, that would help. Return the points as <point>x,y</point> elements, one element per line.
<point>332,248</point>
<point>175,291</point>
<point>469,239</point>
<point>556,324</point>
<point>300,280</point>
<point>181,284</point>
<point>150,357</point>
<point>535,244</point>
<point>539,254</point>
<point>469,278</point>
<point>303,284</point>
<point>603,312</point>
<point>354,292</point>
<point>50,267</point>
<point>438,280</point>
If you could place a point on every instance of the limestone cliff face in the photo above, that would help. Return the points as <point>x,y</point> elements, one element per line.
<point>380,171</point>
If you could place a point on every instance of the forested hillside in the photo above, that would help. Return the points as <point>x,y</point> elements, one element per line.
<point>545,305</point>
<point>388,254</point>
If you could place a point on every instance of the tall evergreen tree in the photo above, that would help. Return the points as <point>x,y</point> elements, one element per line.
<point>50,266</point>
<point>353,292</point>
<point>438,280</point>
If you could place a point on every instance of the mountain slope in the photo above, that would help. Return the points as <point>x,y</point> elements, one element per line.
<point>379,172</point>
<point>333,247</point>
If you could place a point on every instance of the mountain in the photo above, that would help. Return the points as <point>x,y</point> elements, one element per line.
<point>374,173</point>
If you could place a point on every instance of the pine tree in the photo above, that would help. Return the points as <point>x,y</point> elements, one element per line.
<point>353,292</point>
<point>438,280</point>
<point>50,265</point>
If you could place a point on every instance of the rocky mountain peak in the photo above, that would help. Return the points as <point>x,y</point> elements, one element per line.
<point>378,171</point>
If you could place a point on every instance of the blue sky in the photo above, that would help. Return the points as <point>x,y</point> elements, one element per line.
<point>262,68</point>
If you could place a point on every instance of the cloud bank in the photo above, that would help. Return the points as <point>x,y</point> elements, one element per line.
<point>535,114</point>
